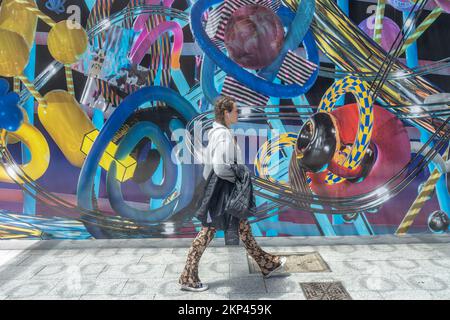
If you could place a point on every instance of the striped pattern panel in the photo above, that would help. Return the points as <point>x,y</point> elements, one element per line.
<point>418,204</point>
<point>212,25</point>
<point>424,195</point>
<point>100,11</point>
<point>218,18</point>
<point>296,69</point>
<point>129,18</point>
<point>271,4</point>
<point>108,93</point>
<point>243,95</point>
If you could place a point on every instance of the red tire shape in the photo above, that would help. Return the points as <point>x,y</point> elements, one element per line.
<point>393,151</point>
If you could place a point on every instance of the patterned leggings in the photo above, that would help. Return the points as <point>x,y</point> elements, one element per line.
<point>266,261</point>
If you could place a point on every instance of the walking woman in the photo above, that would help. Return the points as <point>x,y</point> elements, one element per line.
<point>221,153</point>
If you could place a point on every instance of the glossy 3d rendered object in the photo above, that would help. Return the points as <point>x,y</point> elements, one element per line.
<point>17,31</point>
<point>316,143</point>
<point>254,36</point>
<point>389,144</point>
<point>36,143</point>
<point>388,34</point>
<point>438,221</point>
<point>298,33</point>
<point>67,124</point>
<point>444,4</point>
<point>67,41</point>
<point>11,116</point>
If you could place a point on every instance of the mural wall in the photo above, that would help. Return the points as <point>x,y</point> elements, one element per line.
<point>105,107</point>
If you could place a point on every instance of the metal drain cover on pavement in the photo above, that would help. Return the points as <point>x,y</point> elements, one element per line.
<point>297,262</point>
<point>325,291</point>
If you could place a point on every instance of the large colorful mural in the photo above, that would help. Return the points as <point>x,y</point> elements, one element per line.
<point>105,107</point>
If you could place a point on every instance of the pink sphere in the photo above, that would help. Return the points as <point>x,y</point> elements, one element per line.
<point>254,36</point>
<point>388,35</point>
<point>444,4</point>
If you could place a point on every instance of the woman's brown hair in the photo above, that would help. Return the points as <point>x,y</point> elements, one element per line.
<point>221,104</point>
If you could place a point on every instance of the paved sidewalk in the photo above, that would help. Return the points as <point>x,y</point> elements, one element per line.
<point>382,267</point>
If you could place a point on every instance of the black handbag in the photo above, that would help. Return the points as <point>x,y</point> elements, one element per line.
<point>241,202</point>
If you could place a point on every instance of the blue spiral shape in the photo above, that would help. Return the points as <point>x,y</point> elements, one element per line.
<point>114,123</point>
<point>263,83</point>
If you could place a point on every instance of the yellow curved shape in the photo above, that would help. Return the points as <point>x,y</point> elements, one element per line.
<point>66,123</point>
<point>268,149</point>
<point>39,150</point>
<point>67,42</point>
<point>15,18</point>
<point>14,140</point>
<point>361,92</point>
<point>14,54</point>
<point>17,33</point>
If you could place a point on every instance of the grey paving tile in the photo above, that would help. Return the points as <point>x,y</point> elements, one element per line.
<point>407,295</point>
<point>283,249</point>
<point>220,270</point>
<point>236,257</point>
<point>376,282</point>
<point>387,248</point>
<point>48,259</point>
<point>239,285</point>
<point>142,287</point>
<point>26,288</point>
<point>12,257</point>
<point>13,260</point>
<point>165,287</point>
<point>152,258</point>
<point>442,264</point>
<point>205,295</point>
<point>241,270</point>
<point>63,271</point>
<point>365,295</point>
<point>221,250</point>
<point>374,252</point>
<point>402,266</point>
<point>351,282</point>
<point>78,287</point>
<point>104,252</point>
<point>39,297</point>
<point>368,267</point>
<point>286,284</point>
<point>441,295</point>
<point>268,296</point>
<point>425,247</point>
<point>133,271</point>
<point>121,259</point>
<point>356,266</point>
<point>111,252</point>
<point>170,287</point>
<point>116,297</point>
<point>11,272</point>
<point>155,251</point>
<point>58,252</point>
<point>427,281</point>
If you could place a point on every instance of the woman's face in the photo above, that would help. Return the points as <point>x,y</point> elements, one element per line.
<point>232,116</point>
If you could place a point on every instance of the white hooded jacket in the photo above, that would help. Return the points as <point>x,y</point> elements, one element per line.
<point>220,154</point>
